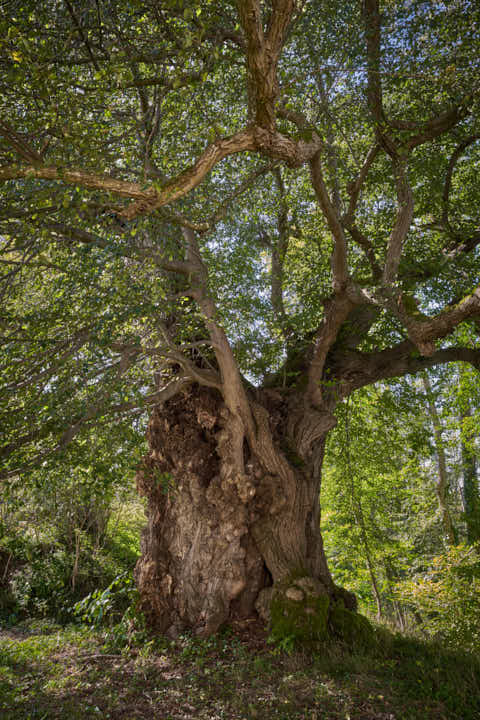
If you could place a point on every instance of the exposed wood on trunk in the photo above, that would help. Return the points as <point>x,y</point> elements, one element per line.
<point>198,566</point>
<point>215,538</point>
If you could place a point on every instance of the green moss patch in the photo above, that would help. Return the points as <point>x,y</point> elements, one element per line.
<point>299,611</point>
<point>354,629</point>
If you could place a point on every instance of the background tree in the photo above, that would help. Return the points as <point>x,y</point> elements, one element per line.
<point>245,213</point>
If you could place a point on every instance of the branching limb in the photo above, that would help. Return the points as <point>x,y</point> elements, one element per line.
<point>424,331</point>
<point>402,224</point>
<point>82,34</point>
<point>93,412</point>
<point>456,155</point>
<point>19,144</point>
<point>263,53</point>
<point>332,157</point>
<point>371,14</point>
<point>348,220</point>
<point>279,251</point>
<point>336,314</point>
<point>356,369</point>
<point>362,241</point>
<point>422,131</point>
<point>339,256</point>
<point>222,209</point>
<point>35,375</point>
<point>232,386</point>
<point>437,125</point>
<point>74,234</point>
<point>354,188</point>
<point>148,200</point>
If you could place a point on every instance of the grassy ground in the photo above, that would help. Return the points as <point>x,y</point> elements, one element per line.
<point>48,672</point>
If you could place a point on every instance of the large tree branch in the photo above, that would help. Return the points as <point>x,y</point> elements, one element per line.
<point>232,386</point>
<point>423,331</point>
<point>402,224</point>
<point>437,125</point>
<point>336,313</point>
<point>19,144</point>
<point>263,53</point>
<point>148,200</point>
<point>279,251</point>
<point>339,255</point>
<point>231,381</point>
<point>354,370</point>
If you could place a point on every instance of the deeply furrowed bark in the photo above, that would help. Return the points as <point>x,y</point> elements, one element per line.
<point>219,541</point>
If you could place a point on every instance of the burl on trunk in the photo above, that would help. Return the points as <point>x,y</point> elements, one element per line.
<point>225,543</point>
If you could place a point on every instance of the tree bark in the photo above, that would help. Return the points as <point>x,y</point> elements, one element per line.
<point>222,542</point>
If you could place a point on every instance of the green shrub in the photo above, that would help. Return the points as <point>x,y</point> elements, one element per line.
<point>115,609</point>
<point>447,597</point>
<point>46,575</point>
<point>42,585</point>
<point>107,606</point>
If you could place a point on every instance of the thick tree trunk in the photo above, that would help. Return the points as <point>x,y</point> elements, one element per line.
<point>224,542</point>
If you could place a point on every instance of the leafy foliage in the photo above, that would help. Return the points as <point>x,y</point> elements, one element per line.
<point>105,606</point>
<point>127,97</point>
<point>275,194</point>
<point>447,597</point>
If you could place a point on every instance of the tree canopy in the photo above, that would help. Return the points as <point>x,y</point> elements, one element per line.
<point>273,193</point>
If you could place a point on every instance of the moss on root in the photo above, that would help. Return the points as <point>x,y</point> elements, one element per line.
<point>299,610</point>
<point>354,629</point>
<point>302,612</point>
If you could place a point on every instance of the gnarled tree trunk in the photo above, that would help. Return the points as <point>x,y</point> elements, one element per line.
<point>225,542</point>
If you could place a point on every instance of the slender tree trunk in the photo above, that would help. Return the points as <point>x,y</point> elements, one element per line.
<point>373,577</point>
<point>442,482</point>
<point>392,578</point>
<point>357,508</point>
<point>470,489</point>
<point>222,544</point>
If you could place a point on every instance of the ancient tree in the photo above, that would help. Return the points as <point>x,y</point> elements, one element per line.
<point>236,215</point>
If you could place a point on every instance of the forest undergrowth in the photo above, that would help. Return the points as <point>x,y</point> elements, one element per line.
<point>48,671</point>
<point>96,659</point>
